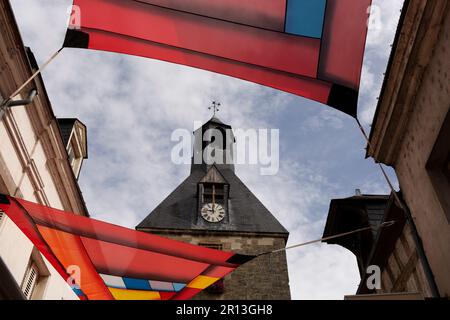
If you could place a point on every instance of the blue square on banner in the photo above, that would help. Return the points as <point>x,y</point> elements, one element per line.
<point>305,17</point>
<point>136,284</point>
<point>178,286</point>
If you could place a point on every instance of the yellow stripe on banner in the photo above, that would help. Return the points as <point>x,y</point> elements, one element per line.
<point>124,294</point>
<point>202,282</point>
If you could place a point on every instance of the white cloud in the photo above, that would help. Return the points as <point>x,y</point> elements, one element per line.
<point>325,118</point>
<point>131,105</point>
<point>380,38</point>
<point>332,278</point>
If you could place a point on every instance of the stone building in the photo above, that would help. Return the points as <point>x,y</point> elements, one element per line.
<point>40,160</point>
<point>393,249</point>
<point>411,133</point>
<point>214,208</point>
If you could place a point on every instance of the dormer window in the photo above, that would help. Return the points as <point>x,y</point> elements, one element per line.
<point>73,133</point>
<point>75,158</point>
<point>213,192</point>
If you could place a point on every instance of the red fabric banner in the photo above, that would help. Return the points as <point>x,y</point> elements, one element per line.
<point>312,49</point>
<point>116,262</point>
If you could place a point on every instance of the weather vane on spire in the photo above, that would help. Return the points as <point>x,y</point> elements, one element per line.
<point>215,106</point>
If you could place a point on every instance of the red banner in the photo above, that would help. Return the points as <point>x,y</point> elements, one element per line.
<point>309,48</point>
<point>116,262</point>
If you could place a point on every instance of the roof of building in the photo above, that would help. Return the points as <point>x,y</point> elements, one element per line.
<point>385,240</point>
<point>65,127</point>
<point>179,210</point>
<point>370,208</point>
<point>215,120</point>
<point>352,213</point>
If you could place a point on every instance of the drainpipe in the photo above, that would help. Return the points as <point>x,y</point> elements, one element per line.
<point>15,103</point>
<point>421,253</point>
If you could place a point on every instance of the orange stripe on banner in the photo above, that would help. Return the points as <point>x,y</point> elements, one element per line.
<point>69,250</point>
<point>202,282</point>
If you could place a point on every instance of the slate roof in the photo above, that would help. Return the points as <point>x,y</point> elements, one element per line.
<point>365,210</point>
<point>179,210</point>
<point>353,213</point>
<point>65,127</point>
<point>216,120</point>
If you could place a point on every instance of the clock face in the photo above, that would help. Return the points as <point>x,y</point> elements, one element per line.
<point>213,212</point>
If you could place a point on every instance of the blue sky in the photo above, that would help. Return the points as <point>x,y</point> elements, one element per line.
<point>131,106</point>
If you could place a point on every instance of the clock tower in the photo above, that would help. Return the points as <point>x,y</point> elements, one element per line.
<point>212,207</point>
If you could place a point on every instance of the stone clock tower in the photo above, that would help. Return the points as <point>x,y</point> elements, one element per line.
<point>214,208</point>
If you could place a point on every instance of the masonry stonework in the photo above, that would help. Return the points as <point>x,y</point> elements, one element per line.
<point>432,104</point>
<point>413,110</point>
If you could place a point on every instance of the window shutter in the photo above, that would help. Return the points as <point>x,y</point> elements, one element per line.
<point>30,281</point>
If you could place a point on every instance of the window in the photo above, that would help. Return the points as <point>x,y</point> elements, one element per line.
<point>2,215</point>
<point>3,218</point>
<point>36,277</point>
<point>214,192</point>
<point>75,158</point>
<point>71,155</point>
<point>30,281</point>
<point>438,166</point>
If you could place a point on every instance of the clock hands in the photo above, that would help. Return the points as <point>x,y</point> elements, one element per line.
<point>213,197</point>
<point>213,212</point>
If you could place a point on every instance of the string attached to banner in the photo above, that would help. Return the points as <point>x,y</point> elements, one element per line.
<point>408,217</point>
<point>31,78</point>
<point>340,235</point>
<point>386,177</point>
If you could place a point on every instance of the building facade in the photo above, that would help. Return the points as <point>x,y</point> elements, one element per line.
<point>393,249</point>
<point>214,208</point>
<point>411,127</point>
<point>411,133</point>
<point>40,160</point>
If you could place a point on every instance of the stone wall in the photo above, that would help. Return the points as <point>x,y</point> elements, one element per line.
<point>432,104</point>
<point>413,106</point>
<point>266,277</point>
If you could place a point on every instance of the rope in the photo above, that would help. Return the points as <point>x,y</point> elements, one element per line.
<point>383,225</point>
<point>386,177</point>
<point>34,75</point>
<point>409,219</point>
